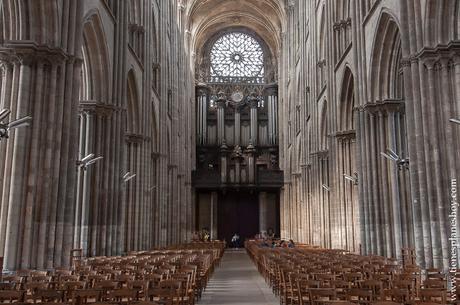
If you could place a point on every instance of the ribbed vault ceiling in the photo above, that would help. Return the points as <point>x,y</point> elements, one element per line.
<point>205,18</point>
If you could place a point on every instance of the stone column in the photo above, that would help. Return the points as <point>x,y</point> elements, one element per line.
<point>214,199</point>
<point>202,93</point>
<point>251,151</point>
<point>263,211</point>
<point>221,101</point>
<point>395,190</point>
<point>254,104</point>
<point>223,163</point>
<point>237,126</point>
<point>237,157</point>
<point>43,83</point>
<point>271,93</point>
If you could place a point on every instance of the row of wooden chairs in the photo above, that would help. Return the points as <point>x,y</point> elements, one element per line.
<point>312,276</point>
<point>172,276</point>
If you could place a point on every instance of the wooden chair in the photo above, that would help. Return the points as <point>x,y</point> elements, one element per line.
<point>341,288</point>
<point>69,278</point>
<point>361,296</point>
<point>106,286</point>
<point>319,296</point>
<point>435,283</point>
<point>353,278</point>
<point>32,287</point>
<point>397,295</point>
<point>303,292</point>
<point>7,286</point>
<point>85,296</point>
<point>408,284</point>
<point>325,278</point>
<point>69,287</point>
<point>140,286</point>
<point>123,295</point>
<point>48,295</point>
<point>385,279</point>
<point>12,296</point>
<point>285,286</point>
<point>433,295</point>
<point>375,286</point>
<point>168,292</point>
<point>435,274</point>
<point>122,279</point>
<point>154,279</point>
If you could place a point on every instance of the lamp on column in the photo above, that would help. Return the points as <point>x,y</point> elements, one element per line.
<point>128,176</point>
<point>392,156</point>
<point>6,127</point>
<point>88,160</point>
<point>353,179</point>
<point>456,121</point>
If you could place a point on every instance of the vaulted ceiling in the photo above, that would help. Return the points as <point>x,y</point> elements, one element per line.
<point>205,18</point>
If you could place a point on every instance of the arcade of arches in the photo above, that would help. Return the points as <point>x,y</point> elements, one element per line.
<point>328,122</point>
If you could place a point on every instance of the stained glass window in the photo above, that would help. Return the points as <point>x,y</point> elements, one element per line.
<point>237,55</point>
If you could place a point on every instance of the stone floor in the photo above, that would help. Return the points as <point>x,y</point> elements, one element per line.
<point>237,281</point>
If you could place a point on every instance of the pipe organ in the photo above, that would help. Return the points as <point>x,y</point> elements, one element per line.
<point>237,135</point>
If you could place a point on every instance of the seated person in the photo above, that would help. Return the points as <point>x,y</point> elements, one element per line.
<point>270,233</point>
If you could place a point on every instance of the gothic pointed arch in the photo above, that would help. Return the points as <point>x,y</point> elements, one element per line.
<point>321,50</point>
<point>441,22</point>
<point>347,102</point>
<point>132,106</point>
<point>323,126</point>
<point>95,84</point>
<point>385,69</point>
<point>31,20</point>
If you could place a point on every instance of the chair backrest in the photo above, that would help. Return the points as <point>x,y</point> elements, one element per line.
<point>123,294</point>
<point>80,296</point>
<point>322,294</point>
<point>171,284</point>
<point>72,285</point>
<point>399,295</point>
<point>47,295</point>
<point>69,278</point>
<point>12,295</point>
<point>106,284</point>
<point>137,284</point>
<point>433,295</point>
<point>357,294</point>
<point>435,283</point>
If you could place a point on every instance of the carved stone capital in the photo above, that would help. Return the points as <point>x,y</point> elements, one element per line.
<point>202,89</point>
<point>97,108</point>
<point>405,62</point>
<point>134,138</point>
<point>5,66</point>
<point>271,89</point>
<point>429,63</point>
<point>321,154</point>
<point>386,106</point>
<point>345,134</point>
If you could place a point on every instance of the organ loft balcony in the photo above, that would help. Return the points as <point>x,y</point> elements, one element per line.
<point>236,167</point>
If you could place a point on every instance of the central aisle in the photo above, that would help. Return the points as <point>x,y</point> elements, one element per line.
<point>237,281</point>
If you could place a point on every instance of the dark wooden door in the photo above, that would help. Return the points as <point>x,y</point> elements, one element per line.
<point>238,212</point>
